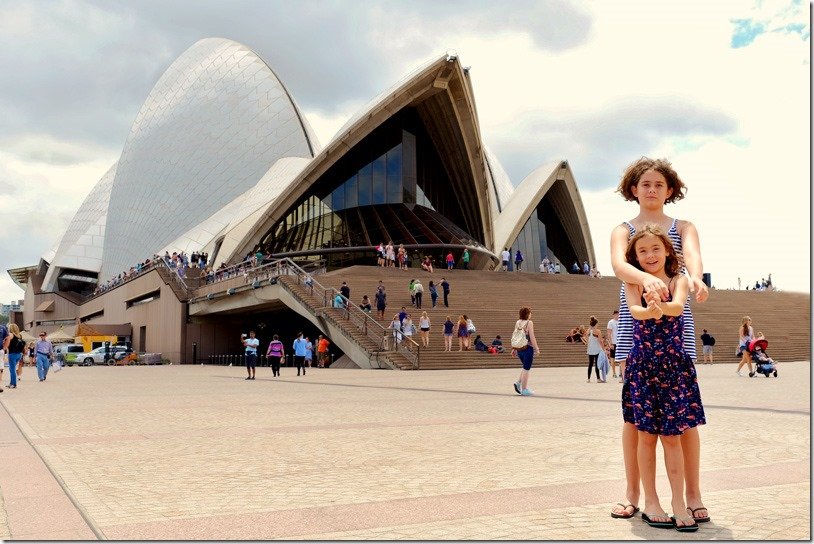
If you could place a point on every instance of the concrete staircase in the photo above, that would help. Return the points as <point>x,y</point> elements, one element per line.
<point>560,302</point>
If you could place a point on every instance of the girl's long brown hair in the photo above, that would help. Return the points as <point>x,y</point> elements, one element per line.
<point>671,265</point>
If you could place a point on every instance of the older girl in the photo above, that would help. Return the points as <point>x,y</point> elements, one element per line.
<point>652,184</point>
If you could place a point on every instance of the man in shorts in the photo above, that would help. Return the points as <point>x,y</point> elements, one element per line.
<point>613,327</point>
<point>707,341</point>
<point>505,256</point>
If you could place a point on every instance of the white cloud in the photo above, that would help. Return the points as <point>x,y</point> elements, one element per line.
<point>734,121</point>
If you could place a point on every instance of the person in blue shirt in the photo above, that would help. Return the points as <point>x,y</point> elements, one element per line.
<point>251,344</point>
<point>300,351</point>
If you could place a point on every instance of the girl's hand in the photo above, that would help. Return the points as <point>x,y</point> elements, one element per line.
<point>652,284</point>
<point>654,309</point>
<point>514,352</point>
<point>700,289</point>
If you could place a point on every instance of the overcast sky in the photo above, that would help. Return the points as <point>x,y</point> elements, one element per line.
<point>722,89</point>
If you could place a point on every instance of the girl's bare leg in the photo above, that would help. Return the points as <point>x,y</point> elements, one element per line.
<point>630,444</point>
<point>691,448</point>
<point>646,455</point>
<point>674,462</point>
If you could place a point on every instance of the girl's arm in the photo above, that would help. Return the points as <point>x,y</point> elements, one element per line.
<point>629,273</point>
<point>532,338</point>
<point>633,294</point>
<point>676,307</point>
<point>691,247</point>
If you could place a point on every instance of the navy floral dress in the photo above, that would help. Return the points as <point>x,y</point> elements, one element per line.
<point>660,394</point>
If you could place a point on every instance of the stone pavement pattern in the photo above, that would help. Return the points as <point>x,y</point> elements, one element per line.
<point>196,452</point>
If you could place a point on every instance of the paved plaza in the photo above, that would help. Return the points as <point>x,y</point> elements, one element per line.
<point>197,452</point>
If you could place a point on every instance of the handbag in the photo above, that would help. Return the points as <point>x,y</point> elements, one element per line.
<point>56,366</point>
<point>519,339</point>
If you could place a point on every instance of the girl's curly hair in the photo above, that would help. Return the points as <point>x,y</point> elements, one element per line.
<point>635,170</point>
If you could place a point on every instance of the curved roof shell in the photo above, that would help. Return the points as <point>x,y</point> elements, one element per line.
<point>441,91</point>
<point>528,195</point>
<point>82,245</point>
<point>215,122</point>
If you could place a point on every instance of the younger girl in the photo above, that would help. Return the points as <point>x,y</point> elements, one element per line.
<point>661,396</point>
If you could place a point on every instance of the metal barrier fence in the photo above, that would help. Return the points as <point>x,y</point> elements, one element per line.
<point>239,359</point>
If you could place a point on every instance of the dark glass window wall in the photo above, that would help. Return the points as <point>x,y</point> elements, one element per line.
<point>391,186</point>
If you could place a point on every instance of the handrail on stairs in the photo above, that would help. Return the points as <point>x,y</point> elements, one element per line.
<point>366,324</point>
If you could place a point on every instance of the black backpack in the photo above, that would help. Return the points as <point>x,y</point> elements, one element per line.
<point>711,340</point>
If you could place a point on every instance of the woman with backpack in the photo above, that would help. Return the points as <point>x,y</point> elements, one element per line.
<point>524,346</point>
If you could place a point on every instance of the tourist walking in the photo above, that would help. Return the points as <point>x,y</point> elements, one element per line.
<point>505,257</point>
<point>595,343</point>
<point>746,336</point>
<point>424,329</point>
<point>418,291</point>
<point>707,342</point>
<point>5,339</point>
<point>381,302</point>
<point>465,259</point>
<point>408,329</point>
<point>15,348</point>
<point>524,347</point>
<point>275,353</point>
<point>300,348</point>
<point>660,398</point>
<point>45,354</point>
<point>652,184</point>
<point>322,353</point>
<point>395,327</point>
<point>445,289</point>
<point>448,326</point>
<point>518,261</point>
<point>433,294</point>
<point>309,352</point>
<point>613,326</point>
<point>250,344</point>
<point>450,261</point>
<point>463,334</point>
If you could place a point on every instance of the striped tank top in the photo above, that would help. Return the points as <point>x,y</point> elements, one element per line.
<point>625,332</point>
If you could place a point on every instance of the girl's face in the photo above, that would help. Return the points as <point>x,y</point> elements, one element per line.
<point>651,253</point>
<point>652,189</point>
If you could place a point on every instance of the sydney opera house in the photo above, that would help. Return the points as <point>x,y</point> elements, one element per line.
<point>221,159</point>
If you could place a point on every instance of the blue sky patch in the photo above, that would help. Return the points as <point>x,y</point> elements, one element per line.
<point>745,32</point>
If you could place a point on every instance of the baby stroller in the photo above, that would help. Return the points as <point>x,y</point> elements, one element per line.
<point>763,363</point>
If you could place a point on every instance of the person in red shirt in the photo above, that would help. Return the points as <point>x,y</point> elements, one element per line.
<point>450,261</point>
<point>322,351</point>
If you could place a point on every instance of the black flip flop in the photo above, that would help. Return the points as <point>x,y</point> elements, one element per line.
<point>685,528</point>
<point>698,520</point>
<point>658,524</point>
<point>517,388</point>
<point>625,516</point>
